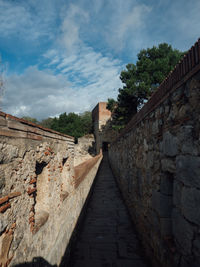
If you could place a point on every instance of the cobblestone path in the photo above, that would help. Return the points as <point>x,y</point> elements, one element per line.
<point>107,237</point>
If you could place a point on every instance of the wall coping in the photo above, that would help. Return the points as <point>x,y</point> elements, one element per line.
<point>81,170</point>
<point>9,117</point>
<point>184,70</point>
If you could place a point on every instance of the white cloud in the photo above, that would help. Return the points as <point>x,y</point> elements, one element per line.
<point>42,93</point>
<point>130,22</point>
<point>79,67</point>
<point>73,18</point>
<point>27,20</point>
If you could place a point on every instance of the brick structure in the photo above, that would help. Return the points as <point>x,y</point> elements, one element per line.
<point>103,132</point>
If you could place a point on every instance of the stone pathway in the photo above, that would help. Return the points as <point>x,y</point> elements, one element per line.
<point>107,237</point>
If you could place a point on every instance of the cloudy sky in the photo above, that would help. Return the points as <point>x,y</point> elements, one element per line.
<point>65,56</point>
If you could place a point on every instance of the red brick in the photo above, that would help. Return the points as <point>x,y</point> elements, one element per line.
<point>3,199</point>
<point>33,180</point>
<point>5,207</point>
<point>31,190</point>
<point>14,194</point>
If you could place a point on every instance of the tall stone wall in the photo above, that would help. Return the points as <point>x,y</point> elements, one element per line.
<point>156,161</point>
<point>41,196</point>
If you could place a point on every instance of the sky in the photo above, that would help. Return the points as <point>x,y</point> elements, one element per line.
<point>66,56</point>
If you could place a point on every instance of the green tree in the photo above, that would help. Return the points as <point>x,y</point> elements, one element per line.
<point>27,118</point>
<point>46,123</point>
<point>112,104</point>
<point>73,124</point>
<point>86,121</point>
<point>140,80</point>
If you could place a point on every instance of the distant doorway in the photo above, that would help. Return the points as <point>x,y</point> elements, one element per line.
<point>105,146</point>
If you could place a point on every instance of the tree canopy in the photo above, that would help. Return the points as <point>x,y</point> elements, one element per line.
<point>72,124</point>
<point>140,80</point>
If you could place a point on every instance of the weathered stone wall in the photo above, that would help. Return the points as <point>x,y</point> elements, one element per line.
<point>41,196</point>
<point>84,149</point>
<point>156,161</point>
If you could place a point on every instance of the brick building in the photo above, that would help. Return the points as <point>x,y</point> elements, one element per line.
<point>103,132</point>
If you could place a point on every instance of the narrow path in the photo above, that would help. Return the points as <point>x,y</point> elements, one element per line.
<point>107,237</point>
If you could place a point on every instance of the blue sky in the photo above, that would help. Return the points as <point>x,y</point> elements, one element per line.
<point>65,56</point>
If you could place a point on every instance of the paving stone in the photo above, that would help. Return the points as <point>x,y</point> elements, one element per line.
<point>107,237</point>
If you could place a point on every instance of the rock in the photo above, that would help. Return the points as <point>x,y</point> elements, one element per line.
<point>182,231</point>
<point>168,165</point>
<point>166,184</point>
<point>186,139</point>
<point>155,128</point>
<point>3,225</point>
<point>40,219</point>
<point>166,226</point>
<point>9,153</point>
<point>169,145</point>
<point>162,204</point>
<point>150,159</point>
<point>177,191</point>
<point>190,204</point>
<point>2,180</point>
<point>196,246</point>
<point>188,170</point>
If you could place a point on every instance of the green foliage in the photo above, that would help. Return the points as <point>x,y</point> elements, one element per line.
<point>70,124</point>
<point>27,118</point>
<point>111,104</point>
<point>73,124</point>
<point>46,122</point>
<point>141,80</point>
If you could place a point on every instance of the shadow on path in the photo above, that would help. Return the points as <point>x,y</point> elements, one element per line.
<point>37,262</point>
<point>107,237</point>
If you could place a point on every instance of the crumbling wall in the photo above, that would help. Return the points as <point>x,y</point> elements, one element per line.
<point>84,149</point>
<point>40,200</point>
<point>156,161</point>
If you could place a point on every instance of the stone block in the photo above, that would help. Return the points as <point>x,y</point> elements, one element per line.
<point>3,121</point>
<point>2,180</point>
<point>168,165</point>
<point>162,204</point>
<point>196,246</point>
<point>182,231</point>
<point>190,204</point>
<point>155,127</point>
<point>177,191</point>
<point>3,224</point>
<point>166,184</point>
<point>188,170</point>
<point>186,139</point>
<point>166,226</point>
<point>169,146</point>
<point>190,261</point>
<point>150,159</point>
<point>40,219</point>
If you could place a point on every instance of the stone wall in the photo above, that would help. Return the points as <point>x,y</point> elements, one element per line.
<point>156,161</point>
<point>41,194</point>
<point>84,149</point>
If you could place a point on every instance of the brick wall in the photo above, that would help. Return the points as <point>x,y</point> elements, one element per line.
<point>102,125</point>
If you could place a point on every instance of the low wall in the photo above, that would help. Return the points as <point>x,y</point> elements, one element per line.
<point>156,161</point>
<point>41,196</point>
